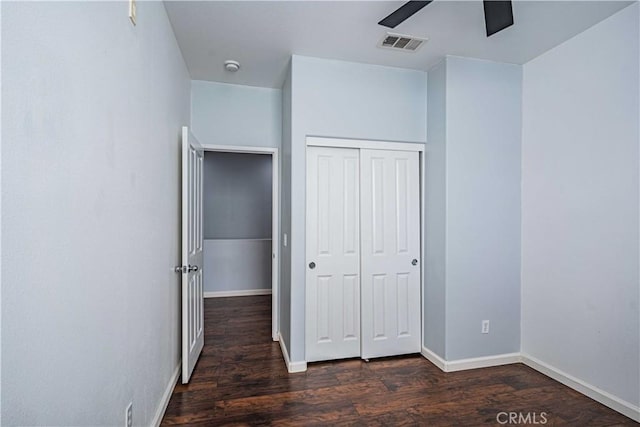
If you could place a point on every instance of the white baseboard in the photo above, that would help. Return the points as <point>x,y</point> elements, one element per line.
<point>434,358</point>
<point>245,293</point>
<point>157,419</point>
<point>292,367</point>
<point>607,399</point>
<point>472,363</point>
<point>625,408</point>
<point>483,362</point>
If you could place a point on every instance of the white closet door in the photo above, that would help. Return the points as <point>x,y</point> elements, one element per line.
<point>333,254</point>
<point>390,205</point>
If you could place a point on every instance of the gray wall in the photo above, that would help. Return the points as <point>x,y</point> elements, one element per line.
<point>237,213</point>
<point>226,114</point>
<point>0,222</point>
<point>91,114</point>
<point>473,208</point>
<point>342,99</point>
<point>435,212</point>
<point>237,195</point>
<point>580,284</point>
<point>285,212</point>
<point>483,141</point>
<point>232,265</point>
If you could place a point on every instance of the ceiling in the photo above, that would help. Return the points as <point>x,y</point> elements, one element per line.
<point>262,35</point>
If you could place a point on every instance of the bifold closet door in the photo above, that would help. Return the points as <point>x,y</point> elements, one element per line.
<point>390,230</point>
<point>333,254</point>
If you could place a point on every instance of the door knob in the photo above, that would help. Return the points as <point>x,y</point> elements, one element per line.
<point>312,265</point>
<point>181,269</point>
<point>414,262</point>
<point>193,268</point>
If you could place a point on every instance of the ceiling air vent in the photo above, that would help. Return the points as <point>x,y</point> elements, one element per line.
<point>402,42</point>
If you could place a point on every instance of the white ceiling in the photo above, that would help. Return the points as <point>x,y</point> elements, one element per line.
<point>262,35</point>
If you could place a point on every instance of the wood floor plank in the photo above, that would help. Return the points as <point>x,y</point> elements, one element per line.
<point>241,380</point>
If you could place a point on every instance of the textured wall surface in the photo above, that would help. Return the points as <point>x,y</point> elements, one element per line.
<point>92,109</point>
<point>580,283</point>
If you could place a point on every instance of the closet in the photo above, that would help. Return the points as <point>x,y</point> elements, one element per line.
<point>237,216</point>
<point>363,251</point>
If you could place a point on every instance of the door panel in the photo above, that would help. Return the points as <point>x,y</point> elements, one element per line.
<point>390,241</point>
<point>333,245</point>
<point>192,244</point>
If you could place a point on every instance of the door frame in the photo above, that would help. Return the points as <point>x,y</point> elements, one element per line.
<point>275,222</point>
<point>420,147</point>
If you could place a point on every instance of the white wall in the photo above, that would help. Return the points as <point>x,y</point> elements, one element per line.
<point>580,284</point>
<point>92,110</point>
<point>342,99</point>
<point>227,114</point>
<point>483,141</point>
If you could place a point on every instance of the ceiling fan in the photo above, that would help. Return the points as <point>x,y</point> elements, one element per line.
<point>498,15</point>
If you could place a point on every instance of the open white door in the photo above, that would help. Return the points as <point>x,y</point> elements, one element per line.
<point>192,243</point>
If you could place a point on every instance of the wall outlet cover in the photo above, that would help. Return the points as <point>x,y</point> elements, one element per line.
<point>485,327</point>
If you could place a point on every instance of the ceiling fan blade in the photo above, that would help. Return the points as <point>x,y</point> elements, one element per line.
<point>403,12</point>
<point>498,15</point>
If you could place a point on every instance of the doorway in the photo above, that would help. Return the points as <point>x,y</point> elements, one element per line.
<point>241,223</point>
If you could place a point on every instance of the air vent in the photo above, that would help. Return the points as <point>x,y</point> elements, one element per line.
<point>402,42</point>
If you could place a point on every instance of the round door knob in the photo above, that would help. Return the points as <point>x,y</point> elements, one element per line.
<point>414,262</point>
<point>312,265</point>
<point>193,268</point>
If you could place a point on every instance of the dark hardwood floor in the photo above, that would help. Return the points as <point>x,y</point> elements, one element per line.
<point>241,379</point>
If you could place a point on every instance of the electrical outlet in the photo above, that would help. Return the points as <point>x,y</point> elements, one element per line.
<point>129,415</point>
<point>485,326</point>
<point>132,11</point>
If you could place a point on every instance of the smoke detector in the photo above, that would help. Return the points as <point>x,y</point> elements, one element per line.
<point>402,42</point>
<point>231,66</point>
